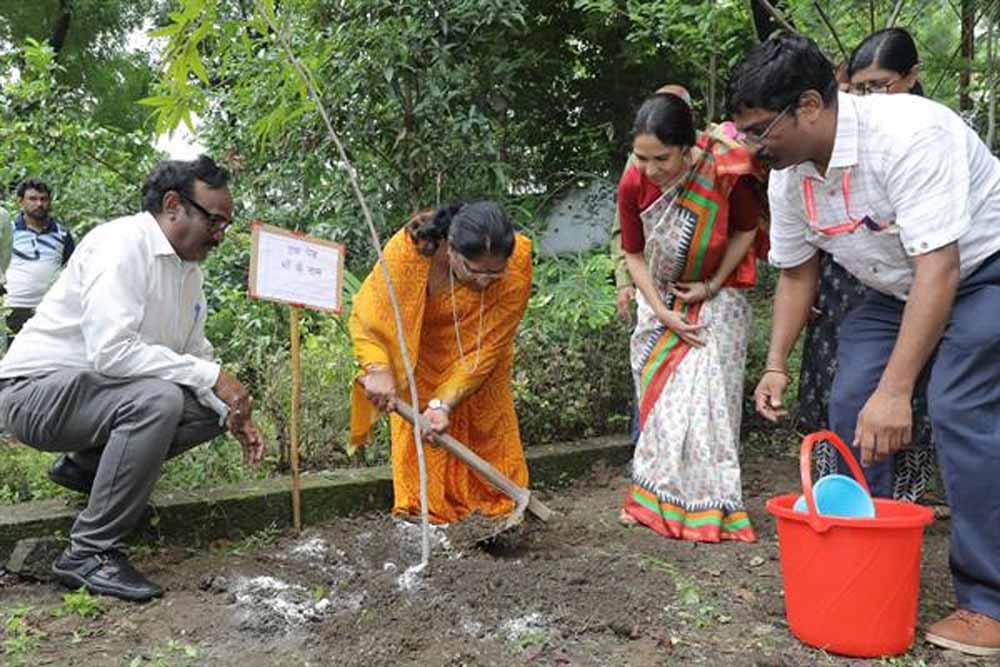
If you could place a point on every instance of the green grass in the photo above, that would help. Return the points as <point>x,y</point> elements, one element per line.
<point>20,638</point>
<point>23,471</point>
<point>81,603</point>
<point>171,654</point>
<point>22,475</point>
<point>255,541</point>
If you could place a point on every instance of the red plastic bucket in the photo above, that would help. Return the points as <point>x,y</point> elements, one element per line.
<point>851,585</point>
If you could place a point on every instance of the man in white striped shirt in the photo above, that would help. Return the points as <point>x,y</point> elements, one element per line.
<point>115,368</point>
<point>907,198</point>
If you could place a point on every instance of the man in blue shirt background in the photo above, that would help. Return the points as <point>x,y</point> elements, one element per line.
<point>41,247</point>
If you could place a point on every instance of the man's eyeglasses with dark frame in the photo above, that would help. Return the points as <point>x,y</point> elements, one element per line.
<point>216,223</point>
<point>752,139</point>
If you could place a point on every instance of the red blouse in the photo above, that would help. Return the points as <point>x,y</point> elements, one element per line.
<point>636,192</point>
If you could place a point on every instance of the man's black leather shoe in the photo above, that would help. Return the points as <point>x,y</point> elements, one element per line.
<point>107,573</point>
<point>66,473</point>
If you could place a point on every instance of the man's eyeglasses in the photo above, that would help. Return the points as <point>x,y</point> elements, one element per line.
<point>754,139</point>
<point>216,223</point>
<point>874,87</point>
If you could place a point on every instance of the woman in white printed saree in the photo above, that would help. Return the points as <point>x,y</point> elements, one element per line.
<point>690,212</point>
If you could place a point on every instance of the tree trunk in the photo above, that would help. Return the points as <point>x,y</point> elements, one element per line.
<point>968,54</point>
<point>712,72</point>
<point>764,23</point>
<point>61,29</point>
<point>712,87</point>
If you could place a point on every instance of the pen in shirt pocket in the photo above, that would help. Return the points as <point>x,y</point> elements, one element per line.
<point>194,324</point>
<point>872,225</point>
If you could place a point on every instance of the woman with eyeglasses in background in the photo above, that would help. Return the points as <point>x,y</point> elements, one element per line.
<point>885,62</point>
<point>690,213</point>
<point>462,278</point>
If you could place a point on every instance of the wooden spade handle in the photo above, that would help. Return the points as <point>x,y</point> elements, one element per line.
<point>520,495</point>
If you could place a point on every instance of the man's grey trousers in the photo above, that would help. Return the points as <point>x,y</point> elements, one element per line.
<point>121,428</point>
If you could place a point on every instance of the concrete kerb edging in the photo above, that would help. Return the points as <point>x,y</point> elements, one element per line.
<point>239,510</point>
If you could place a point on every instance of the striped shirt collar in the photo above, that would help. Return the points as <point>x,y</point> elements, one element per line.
<point>51,227</point>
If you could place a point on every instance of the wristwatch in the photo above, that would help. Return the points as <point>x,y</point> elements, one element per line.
<point>438,404</point>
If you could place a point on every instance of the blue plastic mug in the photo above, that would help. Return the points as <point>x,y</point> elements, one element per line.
<point>839,495</point>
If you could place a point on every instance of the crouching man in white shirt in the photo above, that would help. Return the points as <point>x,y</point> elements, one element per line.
<point>901,193</point>
<point>115,369</point>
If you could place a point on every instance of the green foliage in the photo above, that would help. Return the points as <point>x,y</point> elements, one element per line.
<point>708,36</point>
<point>211,464</point>
<point>81,603</point>
<point>255,541</point>
<point>571,367</point>
<point>48,130</point>
<point>419,103</point>
<point>22,474</point>
<point>20,637</point>
<point>328,369</point>
<point>173,653</point>
<point>428,97</point>
<point>572,295</point>
<point>93,53</point>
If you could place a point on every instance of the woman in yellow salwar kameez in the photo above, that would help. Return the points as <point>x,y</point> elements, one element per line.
<point>462,278</point>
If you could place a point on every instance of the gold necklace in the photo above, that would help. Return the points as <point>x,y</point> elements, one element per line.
<point>454,319</point>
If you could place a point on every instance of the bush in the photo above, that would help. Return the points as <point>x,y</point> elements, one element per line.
<point>571,368</point>
<point>211,464</point>
<point>23,470</point>
<point>761,299</point>
<point>328,369</point>
<point>22,474</point>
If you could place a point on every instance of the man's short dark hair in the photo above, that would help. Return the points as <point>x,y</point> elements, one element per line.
<point>179,176</point>
<point>775,74</point>
<point>32,184</point>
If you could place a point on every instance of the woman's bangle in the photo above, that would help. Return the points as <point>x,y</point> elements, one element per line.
<point>710,288</point>
<point>777,370</point>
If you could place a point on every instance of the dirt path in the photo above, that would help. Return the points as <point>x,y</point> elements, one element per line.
<point>583,592</point>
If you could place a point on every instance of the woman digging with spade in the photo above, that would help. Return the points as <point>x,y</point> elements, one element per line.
<point>462,278</point>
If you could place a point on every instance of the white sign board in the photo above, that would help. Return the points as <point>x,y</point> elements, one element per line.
<point>296,269</point>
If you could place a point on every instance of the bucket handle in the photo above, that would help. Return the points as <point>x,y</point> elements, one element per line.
<point>816,520</point>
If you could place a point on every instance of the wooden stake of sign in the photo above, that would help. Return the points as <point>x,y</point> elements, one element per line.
<point>296,397</point>
<point>303,272</point>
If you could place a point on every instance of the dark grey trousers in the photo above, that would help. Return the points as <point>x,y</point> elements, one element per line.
<point>121,428</point>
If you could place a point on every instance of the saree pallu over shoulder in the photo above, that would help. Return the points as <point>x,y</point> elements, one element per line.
<point>733,157</point>
<point>720,162</point>
<point>372,324</point>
